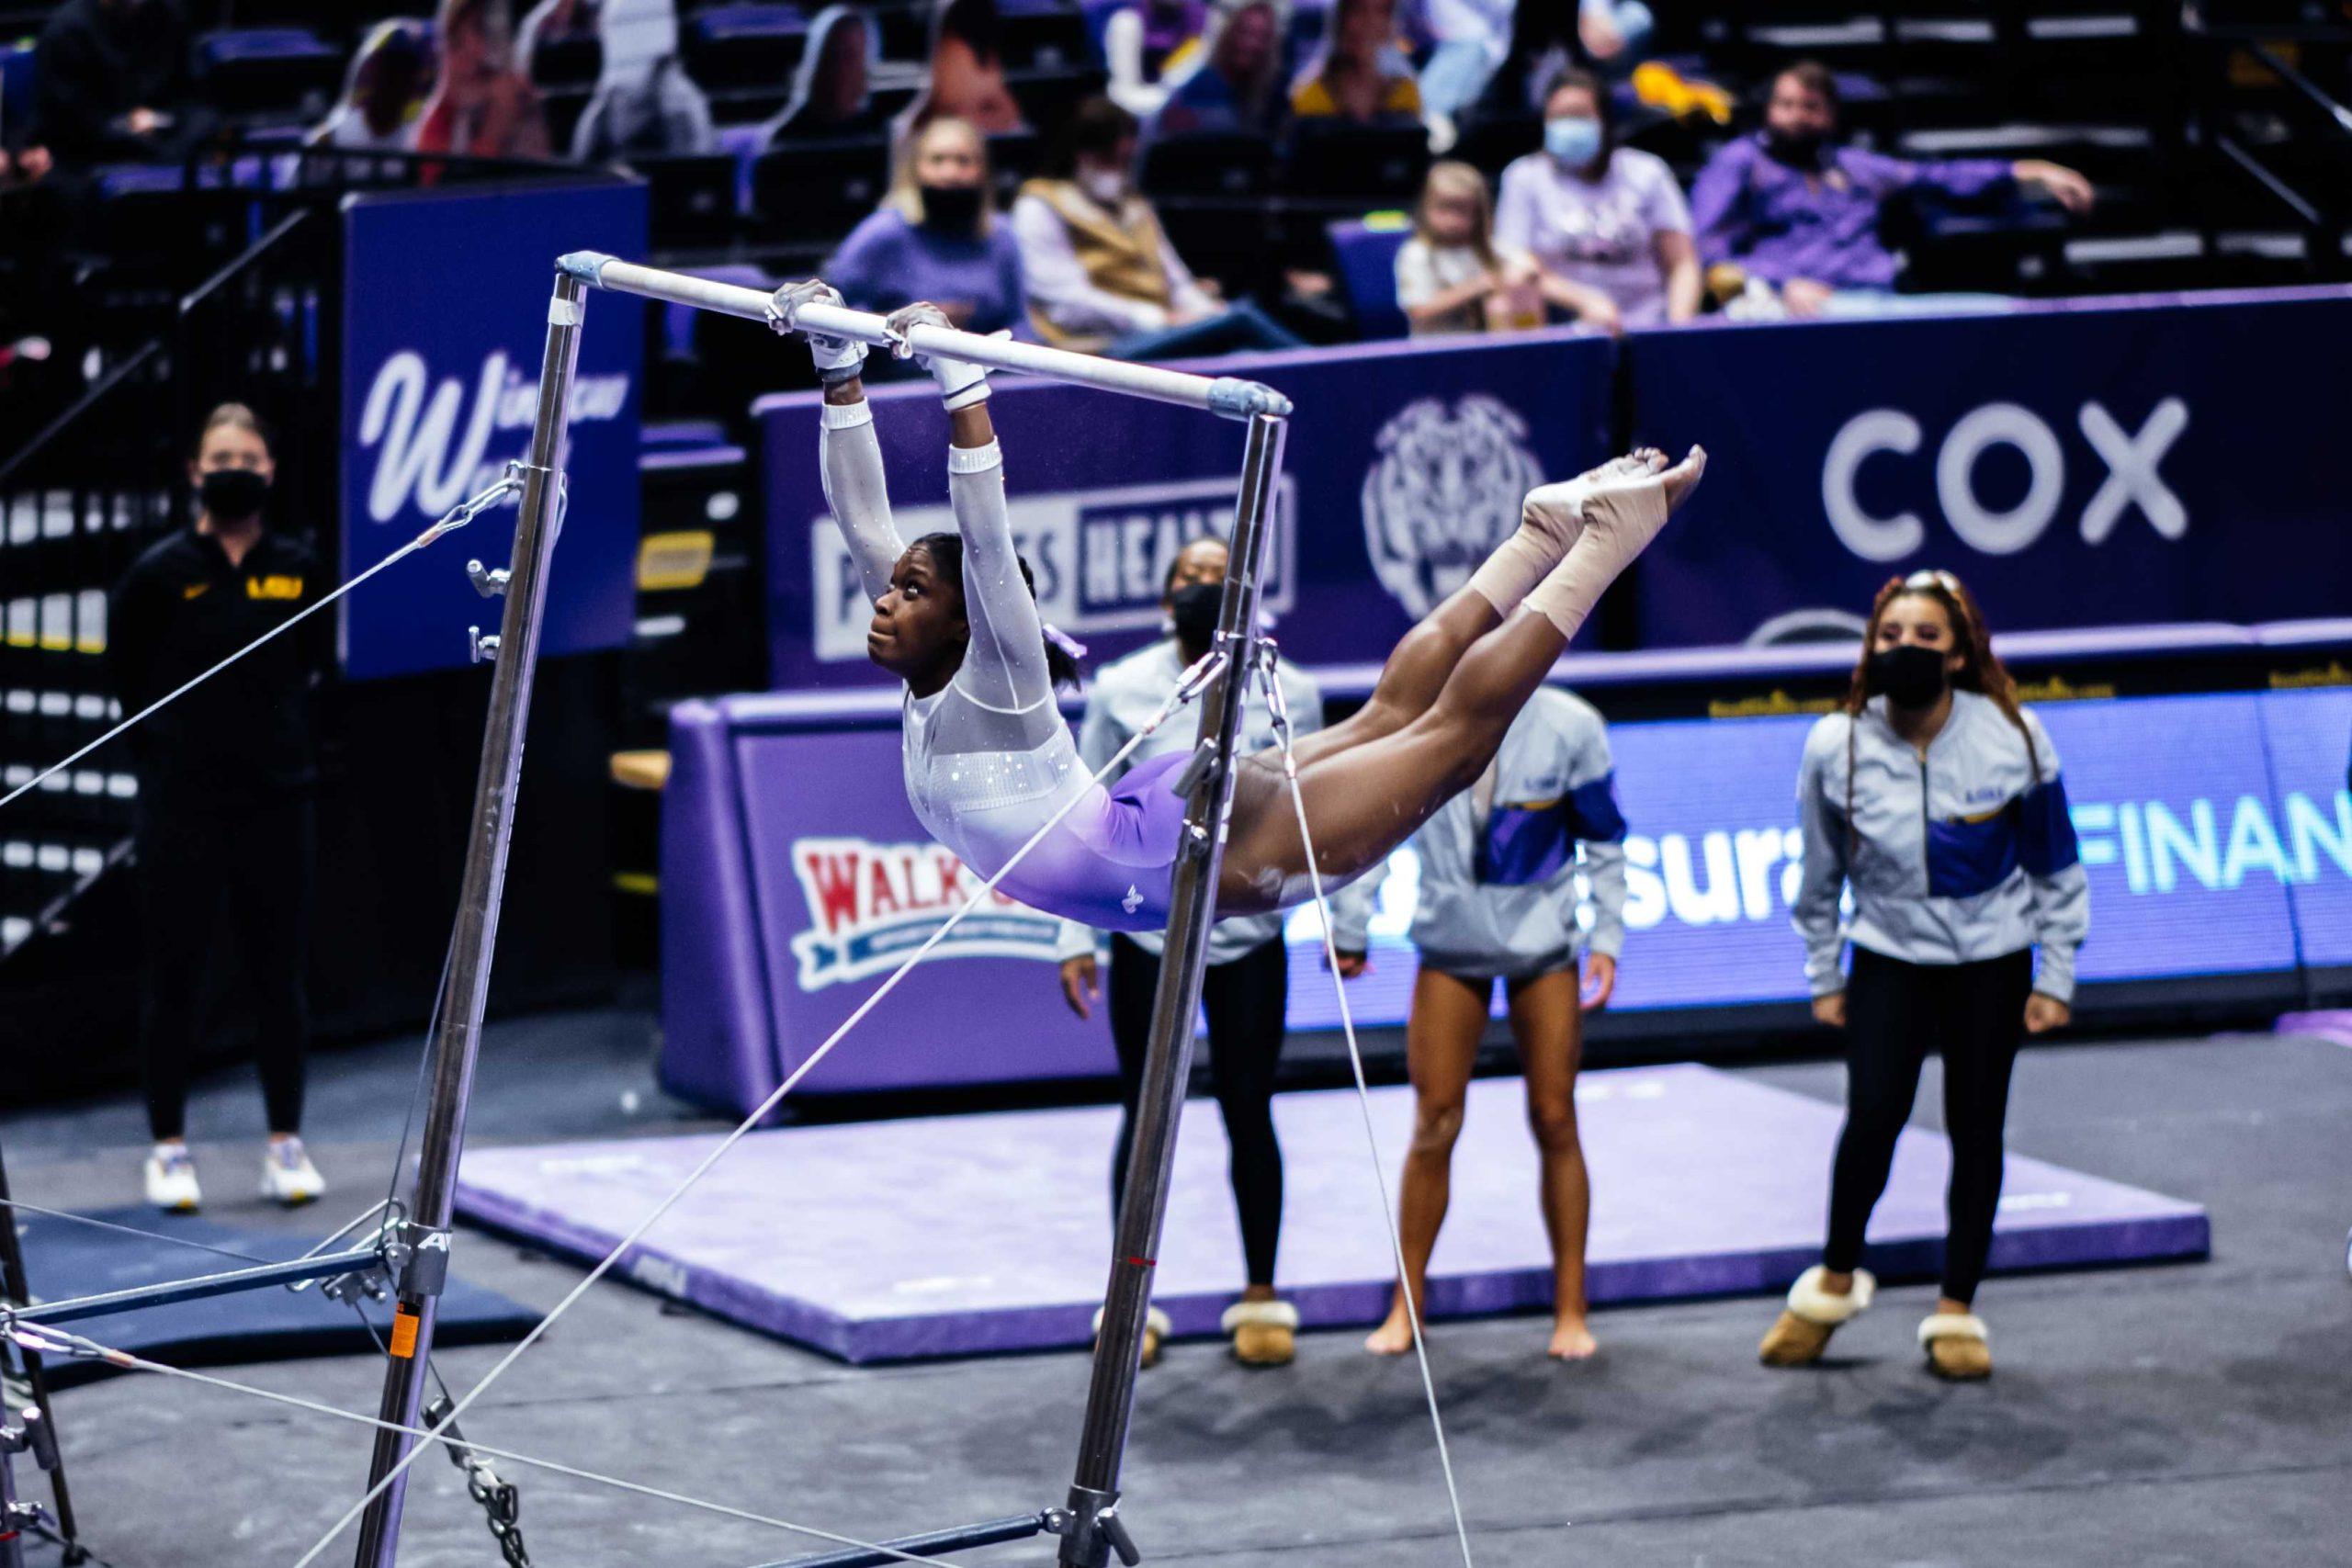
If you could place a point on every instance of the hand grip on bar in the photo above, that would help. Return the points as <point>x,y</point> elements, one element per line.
<point>1228,396</point>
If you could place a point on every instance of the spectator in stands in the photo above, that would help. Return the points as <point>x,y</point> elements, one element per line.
<point>645,102</point>
<point>831,91</point>
<point>1603,217</point>
<point>936,237</point>
<point>1791,207</point>
<point>113,83</point>
<point>482,106</point>
<point>1358,75</point>
<point>225,837</point>
<point>967,73</point>
<point>1102,276</point>
<point>1146,45</point>
<point>383,93</point>
<point>23,164</point>
<point>1451,278</point>
<point>1234,85</point>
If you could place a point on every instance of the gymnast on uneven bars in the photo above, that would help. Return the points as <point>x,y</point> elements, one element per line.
<point>989,757</point>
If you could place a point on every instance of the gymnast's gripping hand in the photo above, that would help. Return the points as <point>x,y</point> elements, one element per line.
<point>838,359</point>
<point>961,383</point>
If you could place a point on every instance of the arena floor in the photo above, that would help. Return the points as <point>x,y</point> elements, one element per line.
<point>2196,1414</point>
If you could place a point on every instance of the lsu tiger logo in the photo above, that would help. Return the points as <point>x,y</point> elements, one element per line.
<point>1443,492</point>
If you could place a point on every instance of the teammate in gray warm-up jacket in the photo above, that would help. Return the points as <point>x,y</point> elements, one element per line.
<point>1498,901</point>
<point>1939,803</point>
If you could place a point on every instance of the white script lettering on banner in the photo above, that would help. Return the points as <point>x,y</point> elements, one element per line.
<point>1443,492</point>
<point>1100,556</point>
<point>2132,477</point>
<point>871,904</point>
<point>432,453</point>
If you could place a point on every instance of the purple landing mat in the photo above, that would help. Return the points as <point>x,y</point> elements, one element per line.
<point>961,1235</point>
<point>2335,1026</point>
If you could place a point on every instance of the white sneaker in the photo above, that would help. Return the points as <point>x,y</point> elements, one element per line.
<point>286,1174</point>
<point>171,1179</point>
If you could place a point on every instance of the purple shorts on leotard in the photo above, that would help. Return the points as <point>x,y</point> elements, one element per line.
<point>1147,816</point>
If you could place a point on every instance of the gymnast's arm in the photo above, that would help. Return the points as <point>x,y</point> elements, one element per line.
<point>1004,667</point>
<point>849,459</point>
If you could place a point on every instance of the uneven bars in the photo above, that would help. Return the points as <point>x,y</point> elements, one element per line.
<point>1228,396</point>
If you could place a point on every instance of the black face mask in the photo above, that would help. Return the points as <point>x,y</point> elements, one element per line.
<point>954,209</point>
<point>1194,609</point>
<point>1909,676</point>
<point>1798,152</point>
<point>232,495</point>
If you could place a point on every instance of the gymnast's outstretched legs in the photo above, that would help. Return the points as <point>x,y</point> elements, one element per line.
<point>1424,659</point>
<point>1367,793</point>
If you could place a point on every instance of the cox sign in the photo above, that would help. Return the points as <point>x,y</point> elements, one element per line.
<point>2131,480</point>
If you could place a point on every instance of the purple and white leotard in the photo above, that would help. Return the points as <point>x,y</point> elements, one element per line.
<point>988,758</point>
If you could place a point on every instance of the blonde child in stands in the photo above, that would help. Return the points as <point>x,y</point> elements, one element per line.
<point>1452,277</point>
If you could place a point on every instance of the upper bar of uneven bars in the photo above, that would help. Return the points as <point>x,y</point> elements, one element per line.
<point>1226,395</point>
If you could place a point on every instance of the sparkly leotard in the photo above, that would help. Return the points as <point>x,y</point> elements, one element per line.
<point>988,758</point>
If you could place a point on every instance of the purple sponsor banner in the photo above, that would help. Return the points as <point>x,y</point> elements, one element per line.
<point>1407,465</point>
<point>444,325</point>
<point>2087,465</point>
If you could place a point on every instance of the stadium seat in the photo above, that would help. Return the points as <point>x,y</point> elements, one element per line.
<point>1048,35</point>
<point>571,61</point>
<point>691,198</point>
<point>268,71</point>
<point>1217,166</point>
<point>744,56</point>
<point>1012,158</point>
<point>1365,250</point>
<point>1376,163</point>
<point>816,192</point>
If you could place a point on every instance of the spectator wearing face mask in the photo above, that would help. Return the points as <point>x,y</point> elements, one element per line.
<point>1606,219</point>
<point>644,101</point>
<point>1234,84</point>
<point>383,93</point>
<point>1360,76</point>
<point>833,89</point>
<point>1791,207</point>
<point>935,238</point>
<point>1101,274</point>
<point>482,106</point>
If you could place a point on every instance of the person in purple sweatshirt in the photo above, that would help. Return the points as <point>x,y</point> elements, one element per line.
<point>1796,209</point>
<point>936,237</point>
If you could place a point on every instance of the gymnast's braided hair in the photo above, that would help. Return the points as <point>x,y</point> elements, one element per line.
<point>1981,668</point>
<point>947,553</point>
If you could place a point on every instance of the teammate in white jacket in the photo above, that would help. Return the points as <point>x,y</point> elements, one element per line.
<point>1938,801</point>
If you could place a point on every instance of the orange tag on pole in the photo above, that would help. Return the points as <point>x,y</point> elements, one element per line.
<point>404,1335</point>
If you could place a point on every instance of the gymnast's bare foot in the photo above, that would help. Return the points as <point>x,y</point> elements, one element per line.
<point>1572,1341</point>
<point>1392,1338</point>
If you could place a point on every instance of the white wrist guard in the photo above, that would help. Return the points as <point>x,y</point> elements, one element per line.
<point>837,359</point>
<point>961,382</point>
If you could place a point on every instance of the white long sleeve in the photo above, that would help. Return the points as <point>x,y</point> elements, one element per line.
<point>1004,667</point>
<point>849,460</point>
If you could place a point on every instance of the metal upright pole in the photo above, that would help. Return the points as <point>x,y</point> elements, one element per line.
<point>18,1286</point>
<point>1093,1529</point>
<point>426,1261</point>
